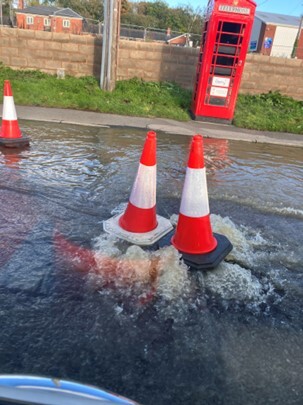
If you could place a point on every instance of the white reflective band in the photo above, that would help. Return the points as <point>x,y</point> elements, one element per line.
<point>194,201</point>
<point>143,194</point>
<point>9,110</point>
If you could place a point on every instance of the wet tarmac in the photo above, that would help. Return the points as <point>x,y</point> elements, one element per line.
<point>231,336</point>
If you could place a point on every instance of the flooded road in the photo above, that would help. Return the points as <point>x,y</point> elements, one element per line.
<point>231,336</point>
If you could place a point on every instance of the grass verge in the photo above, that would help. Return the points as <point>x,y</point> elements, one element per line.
<point>269,112</point>
<point>265,112</point>
<point>131,97</point>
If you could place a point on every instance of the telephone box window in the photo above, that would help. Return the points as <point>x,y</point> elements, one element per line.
<point>231,27</point>
<point>221,71</point>
<point>227,50</point>
<point>217,101</point>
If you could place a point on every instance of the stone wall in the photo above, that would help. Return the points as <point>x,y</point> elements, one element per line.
<point>266,73</point>
<point>81,55</point>
<point>47,51</point>
<point>157,62</point>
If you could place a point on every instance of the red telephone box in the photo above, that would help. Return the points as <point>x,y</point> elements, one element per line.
<point>225,40</point>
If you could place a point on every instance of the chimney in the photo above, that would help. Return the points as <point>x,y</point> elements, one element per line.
<point>21,4</point>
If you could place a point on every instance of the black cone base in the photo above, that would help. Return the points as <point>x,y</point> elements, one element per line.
<point>14,142</point>
<point>207,261</point>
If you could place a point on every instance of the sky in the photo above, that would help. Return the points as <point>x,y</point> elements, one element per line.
<point>289,7</point>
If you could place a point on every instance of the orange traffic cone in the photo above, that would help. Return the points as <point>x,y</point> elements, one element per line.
<point>194,237</point>
<point>194,234</point>
<point>10,134</point>
<point>140,224</point>
<point>140,214</point>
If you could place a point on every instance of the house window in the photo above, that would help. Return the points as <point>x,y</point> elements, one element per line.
<point>29,20</point>
<point>47,22</point>
<point>66,23</point>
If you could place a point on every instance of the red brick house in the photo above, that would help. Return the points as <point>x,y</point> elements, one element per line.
<point>49,18</point>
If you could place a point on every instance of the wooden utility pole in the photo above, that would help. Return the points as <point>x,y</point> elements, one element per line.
<point>1,13</point>
<point>110,44</point>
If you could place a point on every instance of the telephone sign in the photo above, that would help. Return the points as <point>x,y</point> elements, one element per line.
<point>233,9</point>
<point>224,45</point>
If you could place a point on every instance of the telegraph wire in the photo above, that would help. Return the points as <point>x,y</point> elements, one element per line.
<point>263,3</point>
<point>300,3</point>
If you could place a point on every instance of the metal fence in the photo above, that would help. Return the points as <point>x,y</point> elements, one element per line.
<point>154,34</point>
<point>92,26</point>
<point>6,21</point>
<point>135,32</point>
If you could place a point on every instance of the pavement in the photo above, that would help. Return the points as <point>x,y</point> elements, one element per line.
<point>169,126</point>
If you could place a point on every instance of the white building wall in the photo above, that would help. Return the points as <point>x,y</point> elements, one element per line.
<point>283,42</point>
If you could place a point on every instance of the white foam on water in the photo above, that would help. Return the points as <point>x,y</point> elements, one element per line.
<point>132,268</point>
<point>244,241</point>
<point>230,281</point>
<point>107,243</point>
<point>289,211</point>
<point>173,276</point>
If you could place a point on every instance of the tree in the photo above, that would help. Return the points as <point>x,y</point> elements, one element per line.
<point>32,3</point>
<point>158,14</point>
<point>6,6</point>
<point>87,8</point>
<point>125,7</point>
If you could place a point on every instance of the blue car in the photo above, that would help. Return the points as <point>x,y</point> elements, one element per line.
<point>30,390</point>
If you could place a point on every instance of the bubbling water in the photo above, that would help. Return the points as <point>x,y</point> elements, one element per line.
<point>164,276</point>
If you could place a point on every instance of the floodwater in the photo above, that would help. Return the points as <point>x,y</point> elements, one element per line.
<point>153,332</point>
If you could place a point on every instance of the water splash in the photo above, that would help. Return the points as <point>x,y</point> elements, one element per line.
<point>139,270</point>
<point>232,282</point>
<point>248,244</point>
<point>162,275</point>
<point>173,276</point>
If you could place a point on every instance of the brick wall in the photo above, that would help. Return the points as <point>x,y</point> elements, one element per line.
<point>81,55</point>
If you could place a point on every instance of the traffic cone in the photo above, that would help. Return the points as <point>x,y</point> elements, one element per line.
<point>140,224</point>
<point>10,134</point>
<point>194,237</point>
<point>140,214</point>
